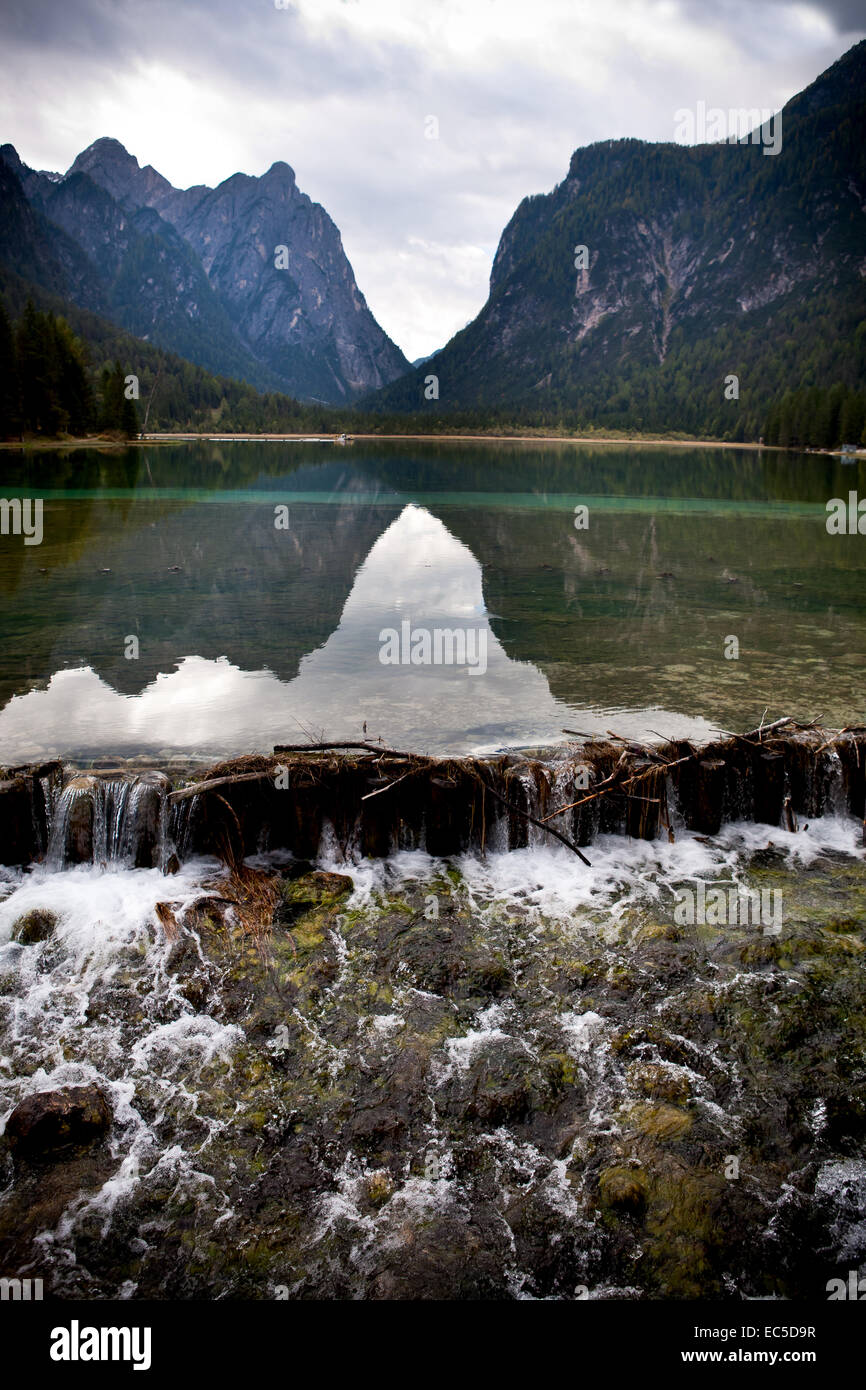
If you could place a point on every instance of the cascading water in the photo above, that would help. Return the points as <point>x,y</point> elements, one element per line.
<point>132,820</point>
<point>386,1094</point>
<point>118,821</point>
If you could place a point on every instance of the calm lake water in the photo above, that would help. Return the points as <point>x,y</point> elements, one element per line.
<point>251,633</point>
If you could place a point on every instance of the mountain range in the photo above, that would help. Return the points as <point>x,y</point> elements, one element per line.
<point>657,287</point>
<point>248,279</point>
<point>702,262</point>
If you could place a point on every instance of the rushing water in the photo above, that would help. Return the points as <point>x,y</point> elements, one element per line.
<point>249,634</point>
<point>500,1075</point>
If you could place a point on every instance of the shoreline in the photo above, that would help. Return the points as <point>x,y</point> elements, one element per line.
<point>41,445</point>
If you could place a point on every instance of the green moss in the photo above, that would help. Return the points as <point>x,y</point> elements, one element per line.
<point>660,1082</point>
<point>665,1123</point>
<point>682,1231</point>
<point>560,1069</point>
<point>624,1189</point>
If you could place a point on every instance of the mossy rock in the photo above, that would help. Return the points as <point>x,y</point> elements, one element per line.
<point>560,1069</point>
<point>316,886</point>
<point>683,1228</point>
<point>659,1081</point>
<point>577,974</point>
<point>380,1187</point>
<point>658,931</point>
<point>627,1039</point>
<point>666,1123</point>
<point>765,951</point>
<point>620,977</point>
<point>623,1189</point>
<point>36,925</point>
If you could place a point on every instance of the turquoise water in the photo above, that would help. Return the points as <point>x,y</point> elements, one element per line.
<point>247,633</point>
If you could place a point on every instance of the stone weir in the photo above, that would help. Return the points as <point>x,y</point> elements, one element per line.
<point>368,800</point>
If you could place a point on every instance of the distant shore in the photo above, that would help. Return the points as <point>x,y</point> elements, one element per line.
<point>100,442</point>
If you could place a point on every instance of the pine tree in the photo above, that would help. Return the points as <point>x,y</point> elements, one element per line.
<point>73,389</point>
<point>10,415</point>
<point>118,412</point>
<point>39,407</point>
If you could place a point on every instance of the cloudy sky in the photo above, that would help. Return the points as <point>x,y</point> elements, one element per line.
<point>344,90</point>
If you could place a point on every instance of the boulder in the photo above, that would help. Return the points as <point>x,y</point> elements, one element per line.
<point>35,925</point>
<point>48,1121</point>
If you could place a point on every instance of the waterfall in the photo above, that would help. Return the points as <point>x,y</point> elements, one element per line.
<point>129,820</point>
<point>111,820</point>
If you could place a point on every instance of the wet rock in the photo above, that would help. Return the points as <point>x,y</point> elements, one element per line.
<point>330,885</point>
<point>377,1127</point>
<point>658,931</point>
<point>661,1122</point>
<point>78,846</point>
<point>47,1122</point>
<point>22,820</point>
<point>623,1188</point>
<point>446,1257</point>
<point>206,913</point>
<point>660,1082</point>
<point>767,858</point>
<point>184,961</point>
<point>306,892</point>
<point>10,961</point>
<point>36,925</point>
<point>444,957</point>
<point>497,1086</point>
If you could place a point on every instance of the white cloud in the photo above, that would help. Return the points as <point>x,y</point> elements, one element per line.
<point>340,89</point>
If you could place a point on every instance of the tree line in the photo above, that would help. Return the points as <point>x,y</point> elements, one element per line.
<point>815,417</point>
<point>55,382</point>
<point>46,385</point>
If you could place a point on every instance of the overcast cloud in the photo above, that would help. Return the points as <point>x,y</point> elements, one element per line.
<point>342,89</point>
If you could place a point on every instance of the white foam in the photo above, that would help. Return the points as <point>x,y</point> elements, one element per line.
<point>548,882</point>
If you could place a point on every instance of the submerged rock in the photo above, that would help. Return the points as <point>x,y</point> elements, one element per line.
<point>50,1121</point>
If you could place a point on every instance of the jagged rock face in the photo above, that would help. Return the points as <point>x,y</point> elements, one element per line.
<point>309,311</point>
<point>197,270</point>
<point>687,249</point>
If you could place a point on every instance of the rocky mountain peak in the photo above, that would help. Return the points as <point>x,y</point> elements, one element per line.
<point>110,165</point>
<point>198,270</point>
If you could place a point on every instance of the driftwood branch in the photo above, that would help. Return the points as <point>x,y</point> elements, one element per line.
<point>387,787</point>
<point>531,819</point>
<point>229,780</point>
<point>329,747</point>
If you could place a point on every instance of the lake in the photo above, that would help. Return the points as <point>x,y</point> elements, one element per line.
<point>205,599</point>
